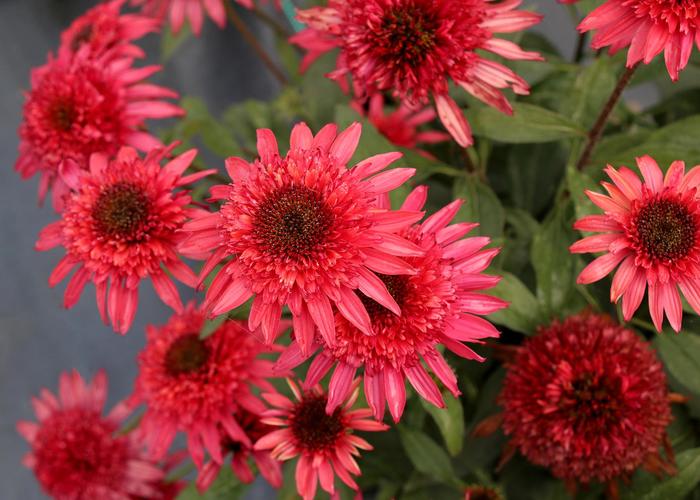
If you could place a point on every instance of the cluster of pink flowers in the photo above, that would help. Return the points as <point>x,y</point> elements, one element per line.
<point>371,296</point>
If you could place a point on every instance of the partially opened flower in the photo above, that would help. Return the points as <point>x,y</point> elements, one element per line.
<point>440,305</point>
<point>647,27</point>
<point>401,125</point>
<point>413,48</point>
<point>104,28</point>
<point>325,444</point>
<point>177,10</point>
<point>303,230</point>
<point>83,105</point>
<point>587,399</point>
<point>120,226</point>
<point>77,453</point>
<point>197,386</point>
<point>241,453</point>
<point>651,229</point>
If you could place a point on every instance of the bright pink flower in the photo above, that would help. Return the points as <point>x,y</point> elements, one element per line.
<point>439,304</point>
<point>324,443</point>
<point>587,399</point>
<point>176,10</point>
<point>197,385</point>
<point>241,452</point>
<point>83,105</point>
<point>77,453</point>
<point>103,28</point>
<point>304,231</point>
<point>401,125</point>
<point>250,4</point>
<point>119,227</point>
<point>652,230</point>
<point>413,48</point>
<point>647,27</point>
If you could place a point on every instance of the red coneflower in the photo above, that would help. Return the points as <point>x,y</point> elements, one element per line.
<point>652,230</point>
<point>303,230</point>
<point>413,48</point>
<point>647,27</point>
<point>324,443</point>
<point>587,399</point>
<point>177,10</point>
<point>77,453</point>
<point>197,385</point>
<point>83,105</point>
<point>119,227</point>
<point>440,303</point>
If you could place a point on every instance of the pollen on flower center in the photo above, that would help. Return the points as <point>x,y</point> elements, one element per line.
<point>312,426</point>
<point>293,221</point>
<point>121,210</point>
<point>397,285</point>
<point>408,34</point>
<point>63,115</point>
<point>187,354</point>
<point>666,229</point>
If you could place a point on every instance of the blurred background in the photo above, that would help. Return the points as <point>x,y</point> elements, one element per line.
<point>38,339</point>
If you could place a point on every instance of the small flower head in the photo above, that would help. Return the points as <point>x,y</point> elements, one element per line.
<point>647,27</point>
<point>303,230</point>
<point>440,303</point>
<point>83,105</point>
<point>177,10</point>
<point>120,226</point>
<point>651,229</point>
<point>104,29</point>
<point>323,442</point>
<point>77,453</point>
<point>197,385</point>
<point>413,48</point>
<point>587,399</point>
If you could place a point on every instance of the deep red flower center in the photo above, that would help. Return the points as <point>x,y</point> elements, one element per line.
<point>63,114</point>
<point>592,398</point>
<point>666,229</point>
<point>482,493</point>
<point>312,427</point>
<point>397,285</point>
<point>407,34</point>
<point>293,221</point>
<point>81,37</point>
<point>187,354</point>
<point>121,211</point>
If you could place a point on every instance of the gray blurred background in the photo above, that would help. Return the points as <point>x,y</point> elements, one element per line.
<point>38,338</point>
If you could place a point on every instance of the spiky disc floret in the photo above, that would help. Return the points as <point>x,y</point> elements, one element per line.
<point>82,105</point>
<point>323,442</point>
<point>440,303</point>
<point>119,226</point>
<point>413,48</point>
<point>651,229</point>
<point>303,230</point>
<point>77,453</point>
<point>587,399</point>
<point>196,385</point>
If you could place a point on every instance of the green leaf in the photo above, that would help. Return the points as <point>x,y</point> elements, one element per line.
<point>529,123</point>
<point>678,486</point>
<point>681,355</point>
<point>523,314</point>
<point>225,487</point>
<point>169,42</point>
<point>590,91</point>
<point>427,456</point>
<point>578,182</point>
<point>481,205</point>
<point>450,421</point>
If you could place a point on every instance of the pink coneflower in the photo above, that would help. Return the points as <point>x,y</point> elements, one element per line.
<point>304,231</point>
<point>587,399</point>
<point>241,453</point>
<point>401,125</point>
<point>413,48</point>
<point>83,105</point>
<point>196,385</point>
<point>324,443</point>
<point>647,27</point>
<point>103,28</point>
<point>177,10</point>
<point>440,303</point>
<point>77,453</point>
<point>119,227</point>
<point>652,230</point>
